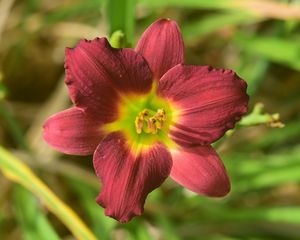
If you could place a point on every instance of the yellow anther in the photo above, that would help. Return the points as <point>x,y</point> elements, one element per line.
<point>161,115</point>
<point>144,122</point>
<point>138,125</point>
<point>153,125</point>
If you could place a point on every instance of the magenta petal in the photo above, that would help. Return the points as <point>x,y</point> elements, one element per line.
<point>210,101</point>
<point>162,46</point>
<point>73,132</point>
<point>98,73</point>
<point>200,170</point>
<point>128,177</point>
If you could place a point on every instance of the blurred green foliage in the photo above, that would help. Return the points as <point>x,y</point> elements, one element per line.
<point>261,44</point>
<point>31,219</point>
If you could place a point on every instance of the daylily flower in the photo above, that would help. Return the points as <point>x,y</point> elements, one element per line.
<point>144,116</point>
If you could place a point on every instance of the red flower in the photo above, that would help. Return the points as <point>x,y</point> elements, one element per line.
<point>145,115</point>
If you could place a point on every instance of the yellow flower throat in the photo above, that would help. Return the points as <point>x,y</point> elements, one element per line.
<point>144,119</point>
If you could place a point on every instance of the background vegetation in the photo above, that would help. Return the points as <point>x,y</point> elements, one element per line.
<point>47,195</point>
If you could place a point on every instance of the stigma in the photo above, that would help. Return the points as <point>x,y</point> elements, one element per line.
<point>149,121</point>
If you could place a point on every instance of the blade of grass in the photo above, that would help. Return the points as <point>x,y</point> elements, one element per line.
<point>279,50</point>
<point>169,229</point>
<point>258,172</point>
<point>33,222</point>
<point>13,126</point>
<point>142,233</point>
<point>253,69</point>
<point>275,137</point>
<point>276,214</point>
<point>86,194</point>
<point>137,229</point>
<point>218,213</point>
<point>121,17</point>
<point>5,8</point>
<point>216,4</point>
<point>269,178</point>
<point>197,28</point>
<point>18,172</point>
<point>2,88</point>
<point>82,8</point>
<point>258,8</point>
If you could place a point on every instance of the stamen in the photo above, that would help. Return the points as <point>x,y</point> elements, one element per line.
<point>144,122</point>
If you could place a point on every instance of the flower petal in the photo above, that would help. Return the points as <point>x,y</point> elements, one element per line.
<point>72,131</point>
<point>200,170</point>
<point>162,46</point>
<point>128,177</point>
<point>210,101</point>
<point>97,73</point>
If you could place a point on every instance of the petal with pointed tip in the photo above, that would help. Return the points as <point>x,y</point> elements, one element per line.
<point>209,101</point>
<point>73,132</point>
<point>96,74</point>
<point>200,170</point>
<point>127,176</point>
<point>162,46</point>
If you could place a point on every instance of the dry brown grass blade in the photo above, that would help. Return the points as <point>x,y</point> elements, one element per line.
<point>57,102</point>
<point>5,7</point>
<point>43,155</point>
<point>270,9</point>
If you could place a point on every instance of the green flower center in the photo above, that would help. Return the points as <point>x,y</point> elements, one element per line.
<point>144,119</point>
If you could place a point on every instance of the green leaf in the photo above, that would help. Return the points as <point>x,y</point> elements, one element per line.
<point>216,4</point>
<point>13,125</point>
<point>263,171</point>
<point>121,17</point>
<point>214,22</point>
<point>18,172</point>
<point>275,215</point>
<point>2,91</point>
<point>253,70</point>
<point>279,50</point>
<point>269,178</point>
<point>101,224</point>
<point>2,88</point>
<point>168,228</point>
<point>290,132</point>
<point>67,12</point>
<point>32,220</point>
<point>142,232</point>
